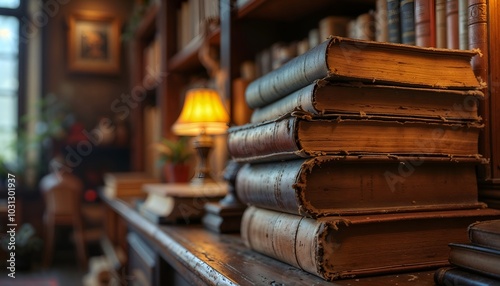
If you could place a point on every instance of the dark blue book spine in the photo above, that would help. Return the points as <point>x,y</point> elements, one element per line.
<point>393,21</point>
<point>407,19</point>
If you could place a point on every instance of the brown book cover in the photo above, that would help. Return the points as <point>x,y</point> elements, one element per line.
<point>178,202</point>
<point>331,185</point>
<point>441,30</point>
<point>452,38</point>
<point>323,97</point>
<point>351,246</point>
<point>375,62</point>
<point>425,25</point>
<point>126,184</point>
<point>476,258</point>
<point>293,137</point>
<point>485,233</point>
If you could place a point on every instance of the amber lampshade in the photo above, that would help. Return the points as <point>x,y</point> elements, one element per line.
<point>202,115</point>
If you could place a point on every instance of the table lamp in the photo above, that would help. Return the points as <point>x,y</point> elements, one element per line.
<point>202,115</point>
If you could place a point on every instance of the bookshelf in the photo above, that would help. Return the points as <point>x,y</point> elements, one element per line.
<point>248,27</point>
<point>175,65</point>
<point>257,24</point>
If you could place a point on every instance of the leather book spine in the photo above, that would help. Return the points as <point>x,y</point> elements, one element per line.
<point>301,99</point>
<point>393,21</point>
<point>407,10</point>
<point>452,24</point>
<point>295,74</point>
<point>424,30</point>
<point>270,185</point>
<point>441,24</point>
<point>268,138</point>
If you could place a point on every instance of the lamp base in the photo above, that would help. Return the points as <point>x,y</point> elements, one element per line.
<point>203,145</point>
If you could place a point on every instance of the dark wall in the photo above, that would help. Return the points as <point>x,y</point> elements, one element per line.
<point>89,95</point>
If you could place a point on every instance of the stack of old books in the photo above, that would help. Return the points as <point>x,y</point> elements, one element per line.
<point>477,262</point>
<point>360,158</point>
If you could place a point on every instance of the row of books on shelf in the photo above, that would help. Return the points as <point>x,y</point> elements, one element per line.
<point>427,23</point>
<point>194,18</point>
<point>152,63</point>
<point>360,160</point>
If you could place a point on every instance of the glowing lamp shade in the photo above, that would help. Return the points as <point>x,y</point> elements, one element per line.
<point>203,112</point>
<point>202,115</point>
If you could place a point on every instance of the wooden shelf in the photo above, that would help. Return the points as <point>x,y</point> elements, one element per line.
<point>204,257</point>
<point>147,26</point>
<point>273,10</point>
<point>187,60</point>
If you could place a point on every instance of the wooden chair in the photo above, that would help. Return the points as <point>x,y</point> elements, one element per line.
<point>63,207</point>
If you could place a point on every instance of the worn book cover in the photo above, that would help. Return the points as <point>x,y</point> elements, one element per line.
<point>323,97</point>
<point>455,276</point>
<point>476,258</point>
<point>485,233</point>
<point>340,185</point>
<point>179,203</point>
<point>352,246</point>
<point>341,58</point>
<point>300,135</point>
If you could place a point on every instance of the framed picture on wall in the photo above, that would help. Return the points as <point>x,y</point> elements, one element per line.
<point>93,43</point>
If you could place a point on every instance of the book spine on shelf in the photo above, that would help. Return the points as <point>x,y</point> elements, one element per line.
<point>393,21</point>
<point>463,24</point>
<point>425,29</point>
<point>441,24</point>
<point>452,24</point>
<point>407,20</point>
<point>295,74</point>
<point>381,29</point>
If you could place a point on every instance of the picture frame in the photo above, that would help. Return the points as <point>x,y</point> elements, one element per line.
<point>93,43</point>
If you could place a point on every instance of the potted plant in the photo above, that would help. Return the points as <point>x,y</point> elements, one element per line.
<point>174,157</point>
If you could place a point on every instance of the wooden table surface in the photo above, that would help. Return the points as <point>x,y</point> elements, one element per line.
<point>206,258</point>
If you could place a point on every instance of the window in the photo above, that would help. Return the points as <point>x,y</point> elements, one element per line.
<point>9,76</point>
<point>9,4</point>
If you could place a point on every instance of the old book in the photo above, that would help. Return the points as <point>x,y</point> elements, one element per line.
<point>486,233</point>
<point>476,258</point>
<point>333,185</point>
<point>381,29</point>
<point>367,61</point>
<point>425,25</point>
<point>323,97</point>
<point>126,184</point>
<point>179,203</point>
<point>393,21</point>
<point>452,41</point>
<point>441,24</point>
<point>333,26</point>
<point>455,276</point>
<point>295,137</point>
<point>463,24</point>
<point>351,246</point>
<point>407,12</point>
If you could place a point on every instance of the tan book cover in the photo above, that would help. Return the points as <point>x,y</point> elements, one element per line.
<point>293,137</point>
<point>368,61</point>
<point>350,246</point>
<point>323,97</point>
<point>340,185</point>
